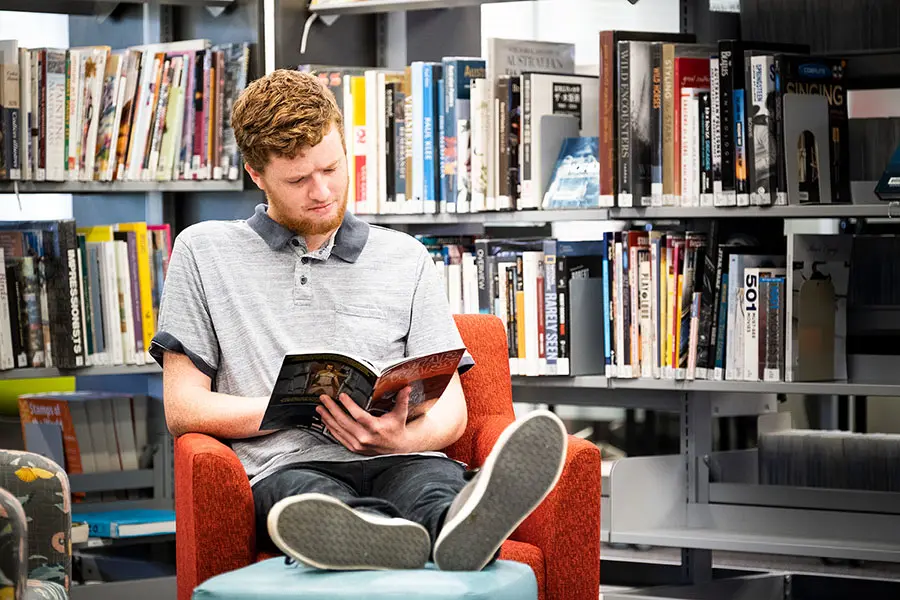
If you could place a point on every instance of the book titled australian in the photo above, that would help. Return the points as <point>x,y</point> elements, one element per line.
<point>305,377</point>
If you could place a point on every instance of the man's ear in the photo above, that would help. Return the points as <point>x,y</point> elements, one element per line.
<point>255,175</point>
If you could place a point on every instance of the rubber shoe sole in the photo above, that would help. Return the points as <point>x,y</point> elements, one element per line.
<point>521,470</point>
<point>323,532</point>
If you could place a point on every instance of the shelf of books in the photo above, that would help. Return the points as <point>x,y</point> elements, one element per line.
<point>142,118</point>
<point>358,7</point>
<point>79,300</point>
<point>119,187</point>
<point>424,145</point>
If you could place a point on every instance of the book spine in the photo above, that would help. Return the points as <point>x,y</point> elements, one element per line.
<point>705,133</point>
<point>750,299</point>
<point>608,325</point>
<point>720,337</point>
<point>625,191</point>
<point>504,196</point>
<point>775,350</point>
<point>726,127</point>
<point>483,268</point>
<point>451,150</point>
<point>656,125</point>
<point>668,124</point>
<point>739,127</point>
<point>551,313</point>
<point>607,111</point>
<point>563,316</point>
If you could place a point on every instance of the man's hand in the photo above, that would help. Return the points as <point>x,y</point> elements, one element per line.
<point>364,433</point>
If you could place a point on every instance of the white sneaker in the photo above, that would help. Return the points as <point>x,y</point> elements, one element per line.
<point>521,470</point>
<point>323,532</point>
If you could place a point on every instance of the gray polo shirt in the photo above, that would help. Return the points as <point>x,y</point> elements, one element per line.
<point>239,295</point>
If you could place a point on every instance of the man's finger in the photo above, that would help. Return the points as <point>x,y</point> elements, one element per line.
<point>401,403</point>
<point>333,427</point>
<point>337,413</point>
<point>354,409</point>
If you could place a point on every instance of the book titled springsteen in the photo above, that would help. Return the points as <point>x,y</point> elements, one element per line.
<point>304,378</point>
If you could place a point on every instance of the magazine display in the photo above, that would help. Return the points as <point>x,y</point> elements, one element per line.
<point>304,378</point>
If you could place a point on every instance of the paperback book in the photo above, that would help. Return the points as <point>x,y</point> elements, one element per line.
<point>305,378</point>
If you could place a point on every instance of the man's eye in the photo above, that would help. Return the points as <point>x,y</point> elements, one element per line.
<point>330,170</point>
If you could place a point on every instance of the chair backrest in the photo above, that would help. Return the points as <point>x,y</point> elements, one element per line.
<point>486,385</point>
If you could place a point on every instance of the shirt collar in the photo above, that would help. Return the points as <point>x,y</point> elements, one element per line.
<point>348,242</point>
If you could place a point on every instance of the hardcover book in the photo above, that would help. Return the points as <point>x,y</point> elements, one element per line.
<point>305,378</point>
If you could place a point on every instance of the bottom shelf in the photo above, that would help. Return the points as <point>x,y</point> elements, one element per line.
<point>714,539</point>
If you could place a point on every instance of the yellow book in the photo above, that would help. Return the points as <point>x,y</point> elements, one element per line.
<point>97,233</point>
<point>148,323</point>
<point>358,164</point>
<point>662,280</point>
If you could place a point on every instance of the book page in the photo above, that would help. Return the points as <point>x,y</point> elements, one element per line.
<point>304,378</point>
<point>427,375</point>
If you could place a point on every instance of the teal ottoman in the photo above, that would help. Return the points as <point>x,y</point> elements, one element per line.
<point>272,579</point>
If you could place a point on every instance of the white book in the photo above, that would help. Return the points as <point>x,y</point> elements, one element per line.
<point>25,115</point>
<point>645,265</point>
<point>55,115</point>
<point>375,139</point>
<point>470,283</point>
<point>124,429</point>
<point>477,135</point>
<point>552,94</point>
<point>112,321</point>
<point>7,359</point>
<point>455,288</point>
<point>123,282</point>
<point>349,140</point>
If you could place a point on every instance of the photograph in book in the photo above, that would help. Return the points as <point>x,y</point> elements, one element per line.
<point>304,378</point>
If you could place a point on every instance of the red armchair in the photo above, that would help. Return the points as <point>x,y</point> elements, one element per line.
<point>560,540</point>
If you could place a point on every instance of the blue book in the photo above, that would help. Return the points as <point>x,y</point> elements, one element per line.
<point>128,523</point>
<point>575,181</point>
<point>888,187</point>
<point>458,75</point>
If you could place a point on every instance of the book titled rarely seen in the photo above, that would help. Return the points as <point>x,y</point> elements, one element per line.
<point>304,378</point>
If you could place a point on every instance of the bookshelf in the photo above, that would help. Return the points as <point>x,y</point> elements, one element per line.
<point>154,200</point>
<point>674,501</point>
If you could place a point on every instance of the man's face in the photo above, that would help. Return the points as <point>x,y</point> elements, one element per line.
<point>307,193</point>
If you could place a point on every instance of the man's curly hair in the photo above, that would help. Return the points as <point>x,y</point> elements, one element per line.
<point>283,114</point>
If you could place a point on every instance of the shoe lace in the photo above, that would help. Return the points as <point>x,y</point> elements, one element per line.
<point>289,561</point>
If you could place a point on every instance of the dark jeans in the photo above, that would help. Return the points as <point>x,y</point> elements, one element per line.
<point>416,488</point>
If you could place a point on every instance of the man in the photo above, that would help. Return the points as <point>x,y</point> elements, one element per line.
<point>302,273</point>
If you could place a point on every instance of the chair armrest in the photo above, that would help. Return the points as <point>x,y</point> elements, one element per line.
<point>566,526</point>
<point>215,530</point>
<point>14,542</point>
<point>42,488</point>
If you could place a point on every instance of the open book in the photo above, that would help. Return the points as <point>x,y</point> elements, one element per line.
<point>304,378</point>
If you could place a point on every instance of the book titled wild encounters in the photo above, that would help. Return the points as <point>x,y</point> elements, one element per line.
<point>305,377</point>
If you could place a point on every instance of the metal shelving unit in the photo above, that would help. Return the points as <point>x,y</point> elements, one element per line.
<point>148,369</point>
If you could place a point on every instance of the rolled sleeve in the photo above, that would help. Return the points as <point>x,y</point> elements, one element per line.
<point>184,324</point>
<point>432,327</point>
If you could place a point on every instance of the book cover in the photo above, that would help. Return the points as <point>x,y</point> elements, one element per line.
<point>304,378</point>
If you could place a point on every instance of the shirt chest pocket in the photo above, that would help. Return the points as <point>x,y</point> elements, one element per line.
<point>367,329</point>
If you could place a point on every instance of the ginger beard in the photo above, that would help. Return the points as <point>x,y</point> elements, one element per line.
<point>309,222</point>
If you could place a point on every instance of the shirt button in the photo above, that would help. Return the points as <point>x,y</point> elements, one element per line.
<point>295,242</point>
<point>303,280</point>
<point>305,260</point>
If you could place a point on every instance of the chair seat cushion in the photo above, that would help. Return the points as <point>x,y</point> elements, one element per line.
<point>45,590</point>
<point>272,579</point>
